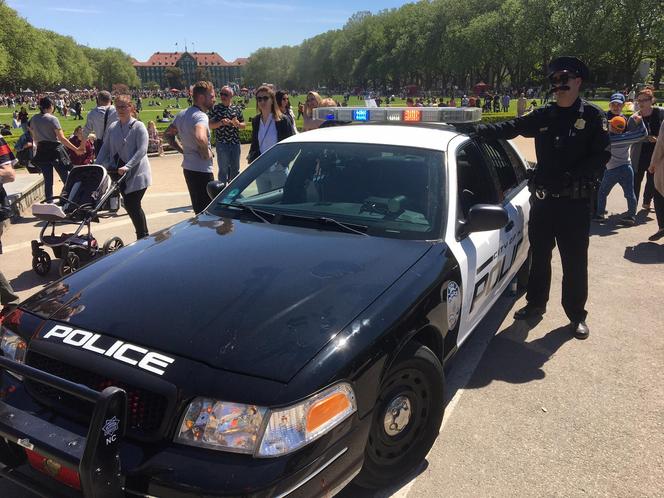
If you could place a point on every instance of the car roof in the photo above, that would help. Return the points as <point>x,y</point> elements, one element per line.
<point>420,136</point>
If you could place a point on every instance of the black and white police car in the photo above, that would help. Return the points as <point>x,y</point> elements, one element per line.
<point>286,341</point>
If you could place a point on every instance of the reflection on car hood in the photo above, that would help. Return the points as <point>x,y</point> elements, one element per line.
<point>247,297</point>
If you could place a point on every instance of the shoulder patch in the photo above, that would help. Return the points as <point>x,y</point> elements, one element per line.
<point>605,123</point>
<point>590,105</point>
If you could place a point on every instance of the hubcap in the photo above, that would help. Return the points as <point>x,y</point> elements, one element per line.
<point>397,415</point>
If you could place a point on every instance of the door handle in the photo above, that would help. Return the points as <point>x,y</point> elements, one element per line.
<point>509,226</point>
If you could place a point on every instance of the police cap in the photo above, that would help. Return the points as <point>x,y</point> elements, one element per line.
<point>570,65</point>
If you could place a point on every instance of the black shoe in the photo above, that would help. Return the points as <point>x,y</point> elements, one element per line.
<point>580,330</point>
<point>657,235</point>
<point>598,218</point>
<point>529,311</point>
<point>628,220</point>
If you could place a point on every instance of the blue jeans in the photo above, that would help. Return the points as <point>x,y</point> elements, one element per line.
<point>625,177</point>
<point>228,159</point>
<point>47,171</point>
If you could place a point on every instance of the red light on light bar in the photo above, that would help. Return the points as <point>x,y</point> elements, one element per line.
<point>412,115</point>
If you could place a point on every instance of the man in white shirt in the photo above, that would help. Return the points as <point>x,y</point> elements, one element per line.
<point>100,119</point>
<point>190,134</point>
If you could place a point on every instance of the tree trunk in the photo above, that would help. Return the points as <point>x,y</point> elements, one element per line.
<point>657,74</point>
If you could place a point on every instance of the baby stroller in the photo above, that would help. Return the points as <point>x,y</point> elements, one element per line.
<point>87,189</point>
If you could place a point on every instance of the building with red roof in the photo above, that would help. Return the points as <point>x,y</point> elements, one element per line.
<point>193,66</point>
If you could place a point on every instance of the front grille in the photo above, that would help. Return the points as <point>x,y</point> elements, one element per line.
<point>145,409</point>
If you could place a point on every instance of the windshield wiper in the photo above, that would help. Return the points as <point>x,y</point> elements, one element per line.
<point>258,213</point>
<point>326,220</point>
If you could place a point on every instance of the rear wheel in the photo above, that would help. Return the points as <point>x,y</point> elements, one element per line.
<point>41,263</point>
<point>70,263</point>
<point>113,244</point>
<point>406,418</point>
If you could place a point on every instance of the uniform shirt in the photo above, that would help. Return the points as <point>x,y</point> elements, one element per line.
<point>43,127</point>
<point>570,142</point>
<point>227,134</point>
<point>185,122</point>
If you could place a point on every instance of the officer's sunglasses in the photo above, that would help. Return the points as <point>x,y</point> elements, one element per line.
<point>557,79</point>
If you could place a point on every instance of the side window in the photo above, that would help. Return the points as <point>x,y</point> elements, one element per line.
<point>515,160</point>
<point>501,164</point>
<point>475,182</point>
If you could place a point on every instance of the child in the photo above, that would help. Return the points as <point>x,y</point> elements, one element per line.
<point>619,168</point>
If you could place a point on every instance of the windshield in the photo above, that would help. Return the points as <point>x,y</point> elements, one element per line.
<point>388,191</point>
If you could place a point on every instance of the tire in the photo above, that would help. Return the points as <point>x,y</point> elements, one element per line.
<point>112,245</point>
<point>69,264</point>
<point>523,273</point>
<point>394,448</point>
<point>41,263</point>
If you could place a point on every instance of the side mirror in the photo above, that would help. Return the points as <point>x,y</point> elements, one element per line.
<point>485,217</point>
<point>214,188</point>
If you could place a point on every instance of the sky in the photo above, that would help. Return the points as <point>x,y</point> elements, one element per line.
<point>233,28</point>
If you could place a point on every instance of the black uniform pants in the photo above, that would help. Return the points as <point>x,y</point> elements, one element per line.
<point>565,222</point>
<point>197,185</point>
<point>132,204</point>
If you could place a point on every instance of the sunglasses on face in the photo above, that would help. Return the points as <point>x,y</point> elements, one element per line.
<point>263,98</point>
<point>561,78</point>
<point>224,94</point>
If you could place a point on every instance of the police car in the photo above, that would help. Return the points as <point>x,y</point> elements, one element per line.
<point>286,341</point>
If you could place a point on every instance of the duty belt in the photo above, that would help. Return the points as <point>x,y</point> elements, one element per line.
<point>542,193</point>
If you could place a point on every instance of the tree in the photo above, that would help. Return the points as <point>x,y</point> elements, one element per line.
<point>202,74</point>
<point>174,77</point>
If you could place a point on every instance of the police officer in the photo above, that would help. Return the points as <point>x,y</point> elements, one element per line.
<point>572,147</point>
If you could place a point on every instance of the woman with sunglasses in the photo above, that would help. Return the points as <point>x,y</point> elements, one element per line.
<point>283,101</point>
<point>125,151</point>
<point>269,126</point>
<point>656,169</point>
<point>313,101</point>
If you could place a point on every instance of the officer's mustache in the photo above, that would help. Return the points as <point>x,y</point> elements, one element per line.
<point>560,88</point>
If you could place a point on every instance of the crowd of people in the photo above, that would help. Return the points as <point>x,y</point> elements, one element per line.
<point>113,136</point>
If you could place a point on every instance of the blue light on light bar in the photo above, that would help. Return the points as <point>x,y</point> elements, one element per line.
<point>330,116</point>
<point>361,115</point>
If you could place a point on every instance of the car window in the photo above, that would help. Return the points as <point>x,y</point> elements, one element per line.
<point>394,191</point>
<point>476,184</point>
<point>499,161</point>
<point>515,160</point>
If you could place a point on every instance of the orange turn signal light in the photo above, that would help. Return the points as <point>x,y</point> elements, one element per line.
<point>326,409</point>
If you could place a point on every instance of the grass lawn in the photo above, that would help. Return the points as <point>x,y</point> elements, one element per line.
<point>153,113</point>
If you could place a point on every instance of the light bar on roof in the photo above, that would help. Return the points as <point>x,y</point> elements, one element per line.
<point>400,114</point>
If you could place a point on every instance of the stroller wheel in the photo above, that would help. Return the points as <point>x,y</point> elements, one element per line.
<point>113,244</point>
<point>41,263</point>
<point>70,264</point>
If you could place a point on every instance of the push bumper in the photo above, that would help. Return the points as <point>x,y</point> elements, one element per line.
<point>165,470</point>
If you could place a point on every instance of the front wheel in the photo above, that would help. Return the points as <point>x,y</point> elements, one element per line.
<point>406,418</point>
<point>70,263</point>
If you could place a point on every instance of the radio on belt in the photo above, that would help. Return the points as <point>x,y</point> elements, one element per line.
<point>400,114</point>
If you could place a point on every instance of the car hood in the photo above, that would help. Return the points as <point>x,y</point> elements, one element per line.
<point>247,297</point>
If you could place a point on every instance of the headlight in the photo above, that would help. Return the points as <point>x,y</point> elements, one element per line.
<point>292,428</point>
<point>243,429</point>
<point>222,426</point>
<point>13,347</point>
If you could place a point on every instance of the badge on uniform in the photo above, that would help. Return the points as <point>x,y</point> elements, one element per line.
<point>580,124</point>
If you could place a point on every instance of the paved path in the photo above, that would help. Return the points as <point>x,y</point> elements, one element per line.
<point>531,412</point>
